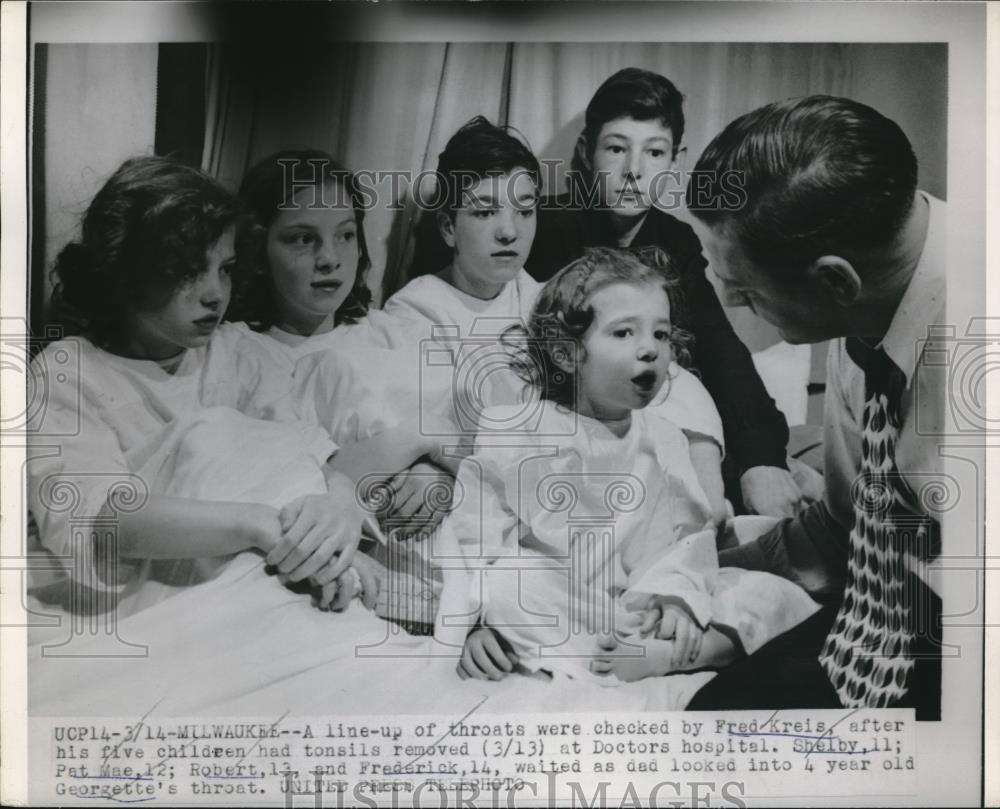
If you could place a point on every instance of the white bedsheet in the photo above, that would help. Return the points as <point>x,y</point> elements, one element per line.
<point>242,645</point>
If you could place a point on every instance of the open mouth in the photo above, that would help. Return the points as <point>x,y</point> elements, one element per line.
<point>327,286</point>
<point>645,382</point>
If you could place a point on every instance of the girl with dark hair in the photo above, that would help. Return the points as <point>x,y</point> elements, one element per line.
<point>163,415</point>
<point>625,159</point>
<point>600,346</point>
<point>302,247</point>
<point>303,250</point>
<point>487,192</point>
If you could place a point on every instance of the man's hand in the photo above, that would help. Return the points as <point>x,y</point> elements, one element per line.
<point>770,491</point>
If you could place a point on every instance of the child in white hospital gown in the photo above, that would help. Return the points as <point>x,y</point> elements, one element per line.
<point>165,444</point>
<point>471,285</point>
<point>587,543</point>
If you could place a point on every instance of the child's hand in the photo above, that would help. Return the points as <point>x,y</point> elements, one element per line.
<point>422,496</point>
<point>337,594</point>
<point>315,529</point>
<point>484,658</point>
<point>672,622</point>
<point>263,526</point>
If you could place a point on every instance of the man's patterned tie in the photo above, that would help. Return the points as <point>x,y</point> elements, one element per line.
<point>868,653</point>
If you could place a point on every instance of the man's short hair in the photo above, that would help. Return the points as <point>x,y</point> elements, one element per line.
<point>807,177</point>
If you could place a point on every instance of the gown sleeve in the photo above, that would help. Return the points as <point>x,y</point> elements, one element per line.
<point>77,472</point>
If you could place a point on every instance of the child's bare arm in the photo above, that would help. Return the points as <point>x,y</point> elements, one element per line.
<point>382,455</point>
<point>179,528</point>
<point>706,457</point>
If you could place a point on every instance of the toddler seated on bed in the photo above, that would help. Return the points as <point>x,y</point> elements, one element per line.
<point>588,542</point>
<point>181,432</point>
<point>488,188</point>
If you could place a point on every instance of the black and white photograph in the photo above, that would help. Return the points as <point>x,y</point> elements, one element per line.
<point>459,404</point>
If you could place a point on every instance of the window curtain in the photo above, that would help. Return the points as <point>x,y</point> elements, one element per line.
<point>379,108</point>
<point>384,107</point>
<point>94,106</point>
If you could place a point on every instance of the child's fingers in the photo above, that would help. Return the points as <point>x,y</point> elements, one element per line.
<point>324,575</point>
<point>485,663</point>
<point>327,594</point>
<point>469,667</point>
<point>498,655</point>
<point>668,625</point>
<point>298,555</point>
<point>682,644</point>
<point>345,592</point>
<point>345,558</point>
<point>369,585</point>
<point>649,621</point>
<point>699,639</point>
<point>324,553</point>
<point>422,522</point>
<point>289,512</point>
<point>398,481</point>
<point>600,666</point>
<point>291,538</point>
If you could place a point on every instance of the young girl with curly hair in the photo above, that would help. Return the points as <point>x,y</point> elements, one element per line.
<point>589,542</point>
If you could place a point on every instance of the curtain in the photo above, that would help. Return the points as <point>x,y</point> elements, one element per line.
<point>385,107</point>
<point>380,108</point>
<point>95,107</point>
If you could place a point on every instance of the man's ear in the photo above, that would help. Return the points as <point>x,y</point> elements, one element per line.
<point>446,227</point>
<point>838,276</point>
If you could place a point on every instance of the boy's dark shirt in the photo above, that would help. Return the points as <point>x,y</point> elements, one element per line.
<point>756,432</point>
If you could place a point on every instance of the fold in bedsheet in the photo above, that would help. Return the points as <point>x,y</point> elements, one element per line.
<point>243,645</point>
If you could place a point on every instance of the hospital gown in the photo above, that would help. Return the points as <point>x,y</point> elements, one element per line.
<point>567,530</point>
<point>219,424</point>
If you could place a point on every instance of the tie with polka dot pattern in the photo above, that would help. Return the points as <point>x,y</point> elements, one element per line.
<point>867,654</point>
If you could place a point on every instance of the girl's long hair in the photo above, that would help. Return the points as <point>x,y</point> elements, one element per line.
<point>270,184</point>
<point>144,235</point>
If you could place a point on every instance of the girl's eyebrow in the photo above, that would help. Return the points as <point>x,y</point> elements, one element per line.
<point>622,319</point>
